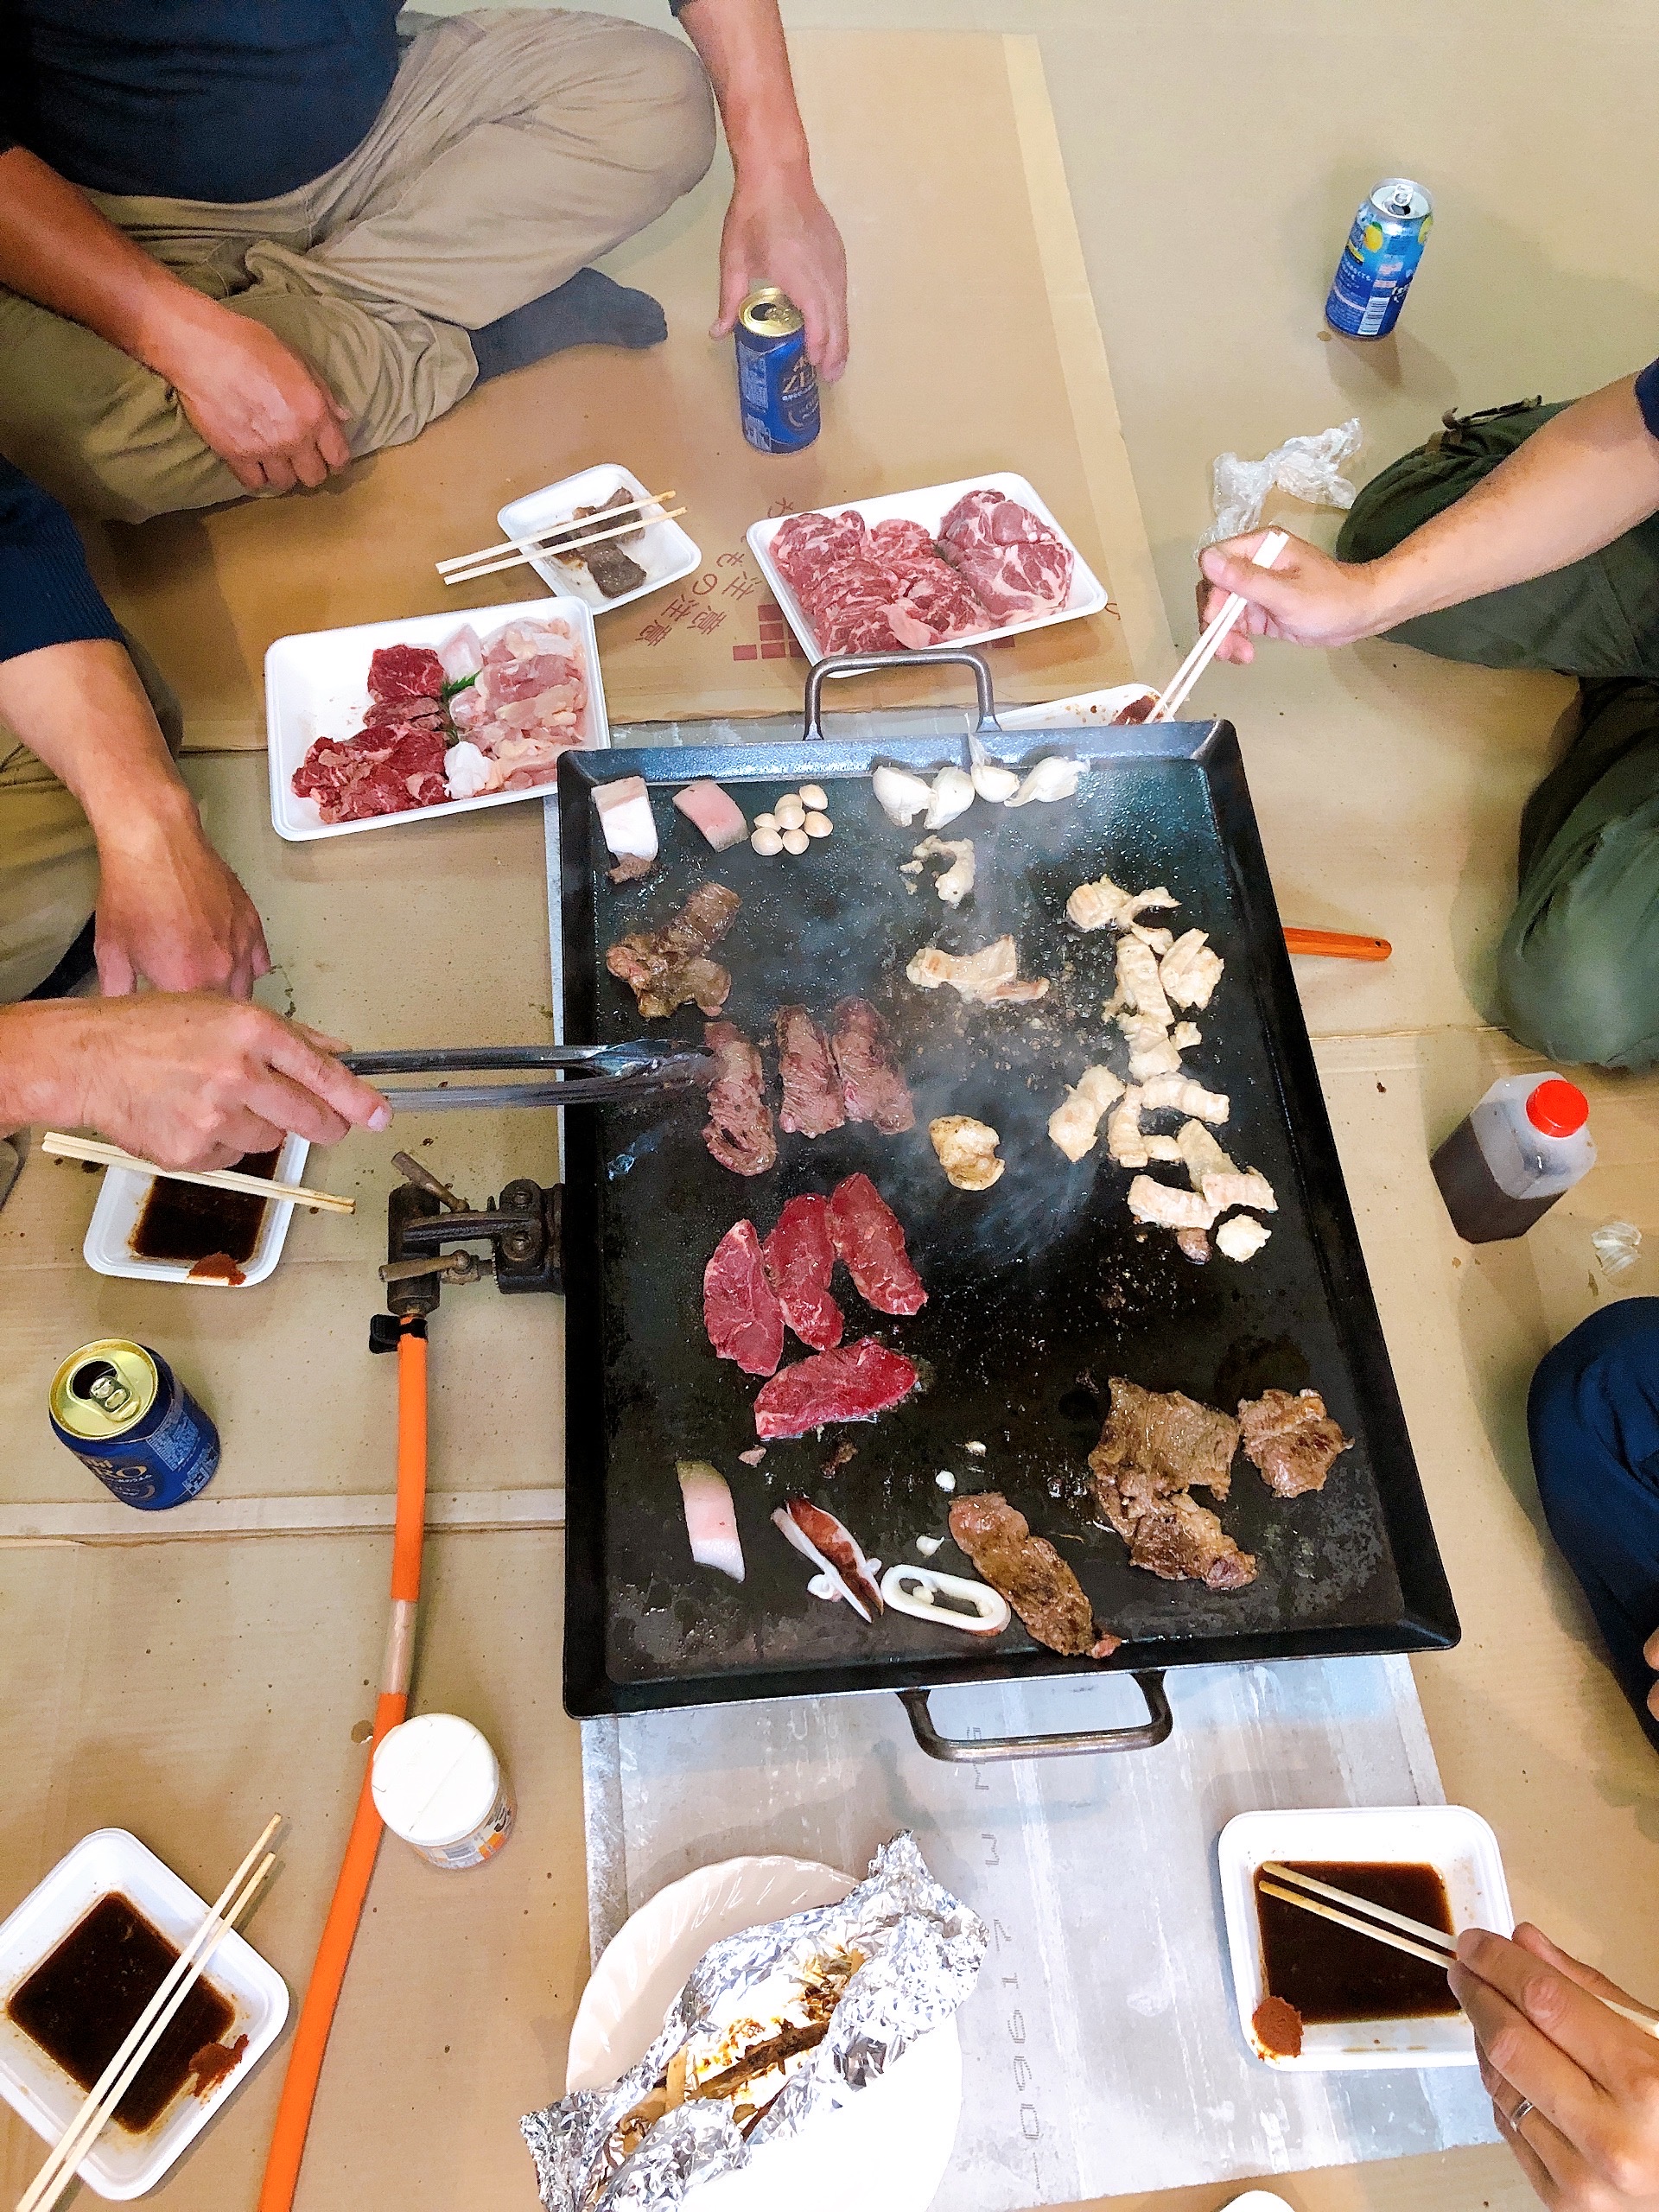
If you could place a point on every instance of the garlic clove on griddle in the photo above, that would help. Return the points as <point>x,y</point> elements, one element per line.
<point>995,784</point>
<point>952,794</point>
<point>1050,779</point>
<point>901,796</point>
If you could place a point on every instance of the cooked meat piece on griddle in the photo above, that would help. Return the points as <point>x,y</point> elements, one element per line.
<point>855,1383</point>
<point>1292,1441</point>
<point>1154,1446</point>
<point>867,1234</point>
<point>1031,1575</point>
<point>740,1309</point>
<point>812,1103</point>
<point>987,977</point>
<point>800,1260</point>
<point>739,1130</point>
<point>871,1084</point>
<point>668,968</point>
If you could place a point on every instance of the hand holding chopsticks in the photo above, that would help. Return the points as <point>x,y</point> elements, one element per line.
<point>561,539</point>
<point>1173,697</point>
<point>140,2039</point>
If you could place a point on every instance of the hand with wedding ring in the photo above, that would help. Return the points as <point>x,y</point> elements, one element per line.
<point>1575,2089</point>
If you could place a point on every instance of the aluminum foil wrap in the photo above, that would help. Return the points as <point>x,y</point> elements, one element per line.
<point>921,1950</point>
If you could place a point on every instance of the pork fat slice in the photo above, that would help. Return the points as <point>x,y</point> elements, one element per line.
<point>626,817</point>
<point>710,1522</point>
<point>719,816</point>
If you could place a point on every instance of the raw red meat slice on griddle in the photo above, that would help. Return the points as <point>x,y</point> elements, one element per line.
<point>867,1234</point>
<point>739,1130</point>
<point>405,672</point>
<point>800,1260</point>
<point>870,1082</point>
<point>812,1104</point>
<point>855,1382</point>
<point>740,1309</point>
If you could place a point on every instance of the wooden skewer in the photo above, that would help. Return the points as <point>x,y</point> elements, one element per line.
<point>553,545</point>
<point>1173,697</point>
<point>1338,945</point>
<point>147,2031</point>
<point>556,528</point>
<point>1445,1950</point>
<point>215,1179</point>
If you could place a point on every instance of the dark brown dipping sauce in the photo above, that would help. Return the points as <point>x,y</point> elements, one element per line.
<point>1328,1974</point>
<point>186,1222</point>
<point>79,2003</point>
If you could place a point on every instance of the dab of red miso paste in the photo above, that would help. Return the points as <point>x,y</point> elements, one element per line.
<point>1278,2028</point>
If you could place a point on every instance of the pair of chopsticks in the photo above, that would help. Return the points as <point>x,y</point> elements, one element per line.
<point>1173,696</point>
<point>215,1179</point>
<point>559,540</point>
<point>146,2032</point>
<point>578,1075</point>
<point>1398,1929</point>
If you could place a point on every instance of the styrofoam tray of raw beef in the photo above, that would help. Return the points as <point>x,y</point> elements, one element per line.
<point>318,687</point>
<point>950,564</point>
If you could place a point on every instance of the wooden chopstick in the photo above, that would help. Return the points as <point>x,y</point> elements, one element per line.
<point>560,538</point>
<point>561,551</point>
<point>1337,945</point>
<point>1173,696</point>
<point>215,1179</point>
<point>1444,1952</point>
<point>148,2029</point>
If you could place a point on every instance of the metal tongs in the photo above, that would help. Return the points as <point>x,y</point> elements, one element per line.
<point>580,1075</point>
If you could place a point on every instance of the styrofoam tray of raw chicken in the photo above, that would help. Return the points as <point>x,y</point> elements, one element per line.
<point>998,573</point>
<point>504,734</point>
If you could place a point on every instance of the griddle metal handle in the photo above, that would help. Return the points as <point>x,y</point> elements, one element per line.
<point>981,1750</point>
<point>935,655</point>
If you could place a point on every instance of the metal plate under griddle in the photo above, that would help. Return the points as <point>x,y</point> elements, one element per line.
<point>1031,1286</point>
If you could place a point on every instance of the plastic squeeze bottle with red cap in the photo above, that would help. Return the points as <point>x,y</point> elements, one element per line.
<point>1508,1161</point>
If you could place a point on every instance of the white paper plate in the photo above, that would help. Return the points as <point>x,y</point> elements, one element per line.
<point>317,685</point>
<point>119,2164</point>
<point>892,2143</point>
<point>1082,710</point>
<point>1449,1838</point>
<point>929,506</point>
<point>108,1248</point>
<point>666,552</point>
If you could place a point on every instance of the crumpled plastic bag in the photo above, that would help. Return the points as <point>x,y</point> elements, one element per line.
<point>1309,469</point>
<point>1618,1245</point>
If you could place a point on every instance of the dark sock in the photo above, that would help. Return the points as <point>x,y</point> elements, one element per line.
<point>76,965</point>
<point>587,310</point>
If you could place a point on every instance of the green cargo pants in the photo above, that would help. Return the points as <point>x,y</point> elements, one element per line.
<point>1578,970</point>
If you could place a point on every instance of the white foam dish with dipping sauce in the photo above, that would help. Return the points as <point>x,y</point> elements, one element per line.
<point>1082,710</point>
<point>108,1247</point>
<point>1456,1842</point>
<point>929,506</point>
<point>438,1785</point>
<point>665,551</point>
<point>112,1862</point>
<point>317,685</point>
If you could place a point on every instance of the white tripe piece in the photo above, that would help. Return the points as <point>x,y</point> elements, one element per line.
<point>1138,981</point>
<point>1241,1238</point>
<point>1203,1155</point>
<point>1151,1050</point>
<point>1075,1123</point>
<point>1186,1035</point>
<point>1179,1094</point>
<point>1163,1149</point>
<point>957,881</point>
<point>1249,1188</point>
<point>1190,971</point>
<point>1160,1203</point>
<point>1105,904</point>
<point>1123,1139</point>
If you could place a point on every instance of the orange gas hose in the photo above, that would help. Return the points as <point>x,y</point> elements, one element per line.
<point>1337,945</point>
<point>316,2018</point>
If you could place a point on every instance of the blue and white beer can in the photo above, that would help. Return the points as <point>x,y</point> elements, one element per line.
<point>777,390</point>
<point>1380,259</point>
<point>123,1412</point>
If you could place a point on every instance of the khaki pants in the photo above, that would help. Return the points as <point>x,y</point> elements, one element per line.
<point>515,147</point>
<point>49,861</point>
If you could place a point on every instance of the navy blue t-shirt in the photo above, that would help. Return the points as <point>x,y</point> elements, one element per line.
<point>47,595</point>
<point>1647,396</point>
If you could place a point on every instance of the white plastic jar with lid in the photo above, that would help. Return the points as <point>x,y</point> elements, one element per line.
<point>1525,1143</point>
<point>437,1784</point>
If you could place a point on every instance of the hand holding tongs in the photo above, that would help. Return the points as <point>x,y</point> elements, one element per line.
<point>581,1075</point>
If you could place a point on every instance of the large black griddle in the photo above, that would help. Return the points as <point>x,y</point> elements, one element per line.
<point>1039,1289</point>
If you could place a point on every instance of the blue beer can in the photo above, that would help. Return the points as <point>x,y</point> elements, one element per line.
<point>1380,259</point>
<point>123,1412</point>
<point>777,390</point>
